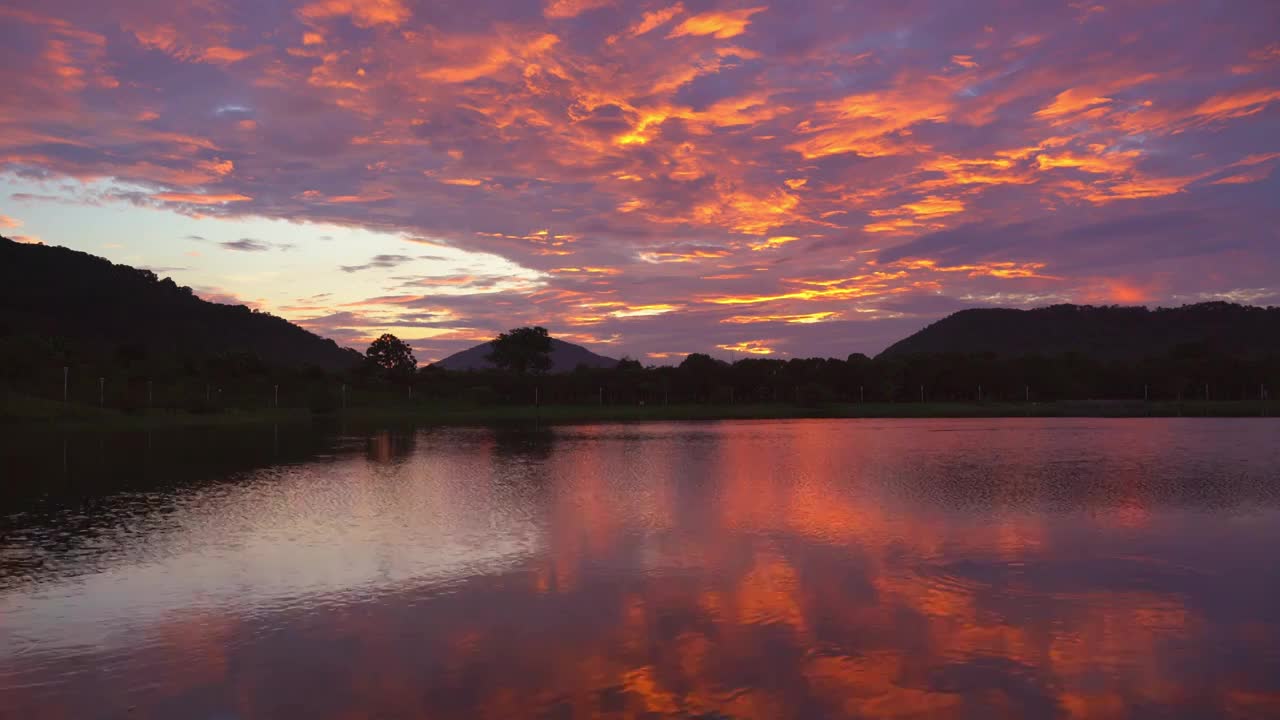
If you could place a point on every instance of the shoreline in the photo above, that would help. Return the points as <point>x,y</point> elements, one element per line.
<point>59,417</point>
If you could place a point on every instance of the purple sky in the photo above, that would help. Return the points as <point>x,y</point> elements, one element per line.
<point>650,178</point>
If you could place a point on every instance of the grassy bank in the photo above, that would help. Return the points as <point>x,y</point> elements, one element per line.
<point>34,412</point>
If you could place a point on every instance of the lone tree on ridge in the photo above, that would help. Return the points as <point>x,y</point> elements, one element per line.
<point>392,355</point>
<point>522,350</point>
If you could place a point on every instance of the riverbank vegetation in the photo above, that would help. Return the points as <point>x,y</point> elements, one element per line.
<point>230,389</point>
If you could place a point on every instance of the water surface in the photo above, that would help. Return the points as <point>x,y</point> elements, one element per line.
<point>796,569</point>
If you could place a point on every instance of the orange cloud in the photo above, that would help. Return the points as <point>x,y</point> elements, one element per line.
<point>799,319</point>
<point>363,13</point>
<point>585,270</point>
<point>8,222</point>
<point>1003,269</point>
<point>722,24</point>
<point>1244,178</point>
<point>1134,189</point>
<point>168,39</point>
<point>1072,101</point>
<point>560,9</point>
<point>224,55</point>
<point>465,58</point>
<point>644,310</point>
<point>1218,108</point>
<point>774,242</point>
<point>199,199</point>
<point>653,20</point>
<point>1229,106</point>
<point>661,256</point>
<point>745,212</point>
<point>845,289</point>
<point>914,215</point>
<point>750,347</point>
<point>870,124</point>
<point>1104,163</point>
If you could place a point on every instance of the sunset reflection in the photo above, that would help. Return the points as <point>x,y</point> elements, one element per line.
<point>757,570</point>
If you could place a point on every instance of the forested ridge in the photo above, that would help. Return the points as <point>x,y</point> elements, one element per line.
<point>1104,332</point>
<point>63,304</point>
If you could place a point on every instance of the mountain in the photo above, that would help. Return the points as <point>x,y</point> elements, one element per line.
<point>1110,332</point>
<point>565,357</point>
<point>93,306</point>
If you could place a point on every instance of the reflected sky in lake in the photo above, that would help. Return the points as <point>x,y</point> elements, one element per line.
<point>865,568</point>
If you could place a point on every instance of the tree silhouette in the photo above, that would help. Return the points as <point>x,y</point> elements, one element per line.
<point>522,350</point>
<point>392,355</point>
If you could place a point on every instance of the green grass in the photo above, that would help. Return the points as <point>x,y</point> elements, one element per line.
<point>17,409</point>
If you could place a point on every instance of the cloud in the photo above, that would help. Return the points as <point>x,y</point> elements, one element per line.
<point>653,20</point>
<point>246,245</point>
<point>721,24</point>
<point>224,297</point>
<point>560,9</point>
<point>362,13</point>
<point>200,199</point>
<point>812,177</point>
<point>379,261</point>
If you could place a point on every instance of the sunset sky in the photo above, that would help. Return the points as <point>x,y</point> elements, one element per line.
<point>651,178</point>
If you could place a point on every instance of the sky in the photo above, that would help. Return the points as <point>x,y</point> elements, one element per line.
<point>773,177</point>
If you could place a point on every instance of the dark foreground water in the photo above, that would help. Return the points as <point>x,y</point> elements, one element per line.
<point>805,569</point>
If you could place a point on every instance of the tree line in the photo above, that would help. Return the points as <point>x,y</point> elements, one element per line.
<point>134,378</point>
<point>1193,371</point>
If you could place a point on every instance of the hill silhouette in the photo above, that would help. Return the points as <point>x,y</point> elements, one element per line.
<point>565,357</point>
<point>91,306</point>
<point>1107,332</point>
<point>78,333</point>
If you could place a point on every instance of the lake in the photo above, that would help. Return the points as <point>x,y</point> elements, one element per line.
<point>775,569</point>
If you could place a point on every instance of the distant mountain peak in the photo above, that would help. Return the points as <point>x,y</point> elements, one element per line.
<point>565,357</point>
